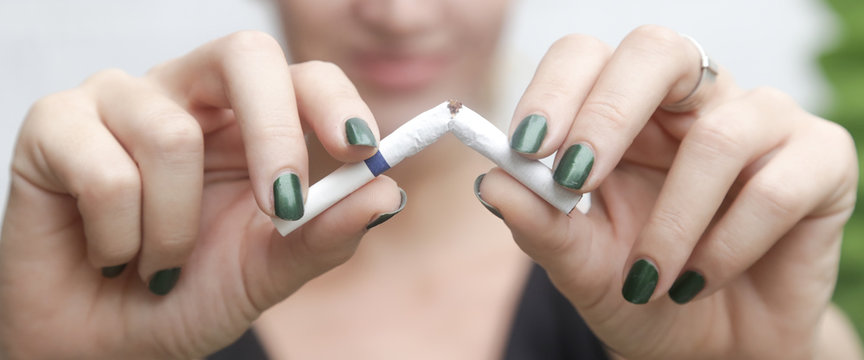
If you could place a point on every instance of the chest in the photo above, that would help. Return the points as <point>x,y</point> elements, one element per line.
<point>453,311</point>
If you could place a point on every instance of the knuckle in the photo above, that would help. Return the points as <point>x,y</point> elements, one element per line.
<point>550,91</point>
<point>178,243</point>
<point>654,38</point>
<point>109,253</point>
<point>251,42</point>
<point>336,83</point>
<point>770,95</point>
<point>279,130</point>
<point>579,41</point>
<point>842,138</point>
<point>716,135</point>
<point>829,132</point>
<point>173,132</point>
<point>722,253</point>
<point>318,68</point>
<point>607,106</point>
<point>110,184</point>
<point>843,170</point>
<point>673,226</point>
<point>47,107</point>
<point>107,77</point>
<point>328,254</point>
<point>777,197</point>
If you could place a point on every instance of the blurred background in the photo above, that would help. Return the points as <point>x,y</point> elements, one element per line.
<point>810,49</point>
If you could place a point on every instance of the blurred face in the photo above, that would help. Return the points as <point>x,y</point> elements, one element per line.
<point>403,55</point>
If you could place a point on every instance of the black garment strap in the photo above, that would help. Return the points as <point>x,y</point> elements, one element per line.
<point>247,347</point>
<point>546,327</point>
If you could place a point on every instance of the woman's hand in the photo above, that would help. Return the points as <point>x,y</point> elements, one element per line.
<point>715,228</point>
<point>142,177</point>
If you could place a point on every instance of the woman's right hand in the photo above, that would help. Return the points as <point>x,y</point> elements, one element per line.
<point>175,170</point>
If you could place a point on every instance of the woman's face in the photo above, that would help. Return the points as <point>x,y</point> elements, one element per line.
<point>403,55</point>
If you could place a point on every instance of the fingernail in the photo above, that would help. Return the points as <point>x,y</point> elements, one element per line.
<point>574,166</point>
<point>686,287</point>
<point>640,283</point>
<point>288,199</point>
<point>113,271</point>
<point>386,216</point>
<point>489,207</point>
<point>358,133</point>
<point>163,281</point>
<point>529,134</point>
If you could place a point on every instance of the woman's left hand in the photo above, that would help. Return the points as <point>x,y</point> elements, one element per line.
<point>716,223</point>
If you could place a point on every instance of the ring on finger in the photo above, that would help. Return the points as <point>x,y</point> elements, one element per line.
<point>707,74</point>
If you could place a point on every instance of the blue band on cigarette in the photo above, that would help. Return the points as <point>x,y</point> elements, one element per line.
<point>377,164</point>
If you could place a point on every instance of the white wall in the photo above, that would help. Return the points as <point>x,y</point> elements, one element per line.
<point>50,45</point>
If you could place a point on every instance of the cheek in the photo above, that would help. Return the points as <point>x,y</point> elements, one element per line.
<point>482,20</point>
<point>312,29</point>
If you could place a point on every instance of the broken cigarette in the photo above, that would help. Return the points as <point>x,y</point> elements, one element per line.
<point>412,137</point>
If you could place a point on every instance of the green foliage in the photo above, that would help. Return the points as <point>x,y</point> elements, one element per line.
<point>843,66</point>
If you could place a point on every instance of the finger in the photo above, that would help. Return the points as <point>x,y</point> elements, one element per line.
<point>652,65</point>
<point>167,144</point>
<point>248,73</point>
<point>549,104</point>
<point>710,158</point>
<point>281,265</point>
<point>330,104</point>
<point>79,156</point>
<point>800,180</point>
<point>562,245</point>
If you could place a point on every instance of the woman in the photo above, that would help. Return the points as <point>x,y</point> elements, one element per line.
<point>714,232</point>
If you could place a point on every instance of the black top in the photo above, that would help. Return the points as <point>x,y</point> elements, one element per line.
<point>546,326</point>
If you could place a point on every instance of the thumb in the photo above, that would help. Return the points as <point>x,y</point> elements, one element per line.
<point>566,246</point>
<point>279,266</point>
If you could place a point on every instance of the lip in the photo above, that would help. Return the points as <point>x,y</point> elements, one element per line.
<point>398,72</point>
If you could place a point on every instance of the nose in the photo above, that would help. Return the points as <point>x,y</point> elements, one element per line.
<point>398,18</point>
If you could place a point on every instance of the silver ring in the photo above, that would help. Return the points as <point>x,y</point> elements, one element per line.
<point>707,73</point>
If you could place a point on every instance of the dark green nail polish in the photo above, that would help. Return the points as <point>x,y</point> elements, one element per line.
<point>288,199</point>
<point>574,166</point>
<point>489,207</point>
<point>163,281</point>
<point>113,271</point>
<point>640,283</point>
<point>529,134</point>
<point>686,287</point>
<point>386,216</point>
<point>358,133</point>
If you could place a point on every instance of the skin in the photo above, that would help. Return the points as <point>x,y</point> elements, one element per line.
<point>177,170</point>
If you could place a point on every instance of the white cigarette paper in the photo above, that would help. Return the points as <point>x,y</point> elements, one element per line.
<point>478,133</point>
<point>407,140</point>
<point>412,137</point>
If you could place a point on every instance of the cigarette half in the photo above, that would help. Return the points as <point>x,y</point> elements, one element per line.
<point>407,140</point>
<point>479,134</point>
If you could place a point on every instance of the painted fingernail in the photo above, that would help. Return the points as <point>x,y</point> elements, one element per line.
<point>163,281</point>
<point>113,271</point>
<point>386,216</point>
<point>288,199</point>
<point>574,166</point>
<point>640,283</point>
<point>358,133</point>
<point>489,207</point>
<point>529,134</point>
<point>686,287</point>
